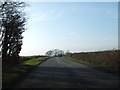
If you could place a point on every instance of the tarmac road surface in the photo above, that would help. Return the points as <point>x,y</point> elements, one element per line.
<point>59,72</point>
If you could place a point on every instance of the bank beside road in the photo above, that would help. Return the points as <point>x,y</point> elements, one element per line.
<point>103,60</point>
<point>12,75</point>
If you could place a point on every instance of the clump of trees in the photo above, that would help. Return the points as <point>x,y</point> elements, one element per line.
<point>55,52</point>
<point>68,53</point>
<point>12,25</point>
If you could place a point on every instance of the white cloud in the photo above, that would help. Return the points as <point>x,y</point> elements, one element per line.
<point>74,33</point>
<point>45,16</point>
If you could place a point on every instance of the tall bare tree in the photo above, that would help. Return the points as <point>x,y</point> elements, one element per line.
<point>12,25</point>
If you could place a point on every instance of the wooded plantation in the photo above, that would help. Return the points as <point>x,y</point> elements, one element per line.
<point>12,25</point>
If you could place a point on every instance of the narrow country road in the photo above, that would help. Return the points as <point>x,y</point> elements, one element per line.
<point>59,72</point>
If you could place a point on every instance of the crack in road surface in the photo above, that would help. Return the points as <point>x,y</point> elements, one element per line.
<point>59,72</point>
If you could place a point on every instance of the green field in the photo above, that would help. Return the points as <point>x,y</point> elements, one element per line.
<point>14,73</point>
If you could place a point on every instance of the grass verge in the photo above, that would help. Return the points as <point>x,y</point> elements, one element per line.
<point>96,66</point>
<point>13,74</point>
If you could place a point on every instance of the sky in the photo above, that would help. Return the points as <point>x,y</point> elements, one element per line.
<point>73,26</point>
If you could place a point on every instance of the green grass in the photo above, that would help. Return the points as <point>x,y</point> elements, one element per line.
<point>34,62</point>
<point>13,74</point>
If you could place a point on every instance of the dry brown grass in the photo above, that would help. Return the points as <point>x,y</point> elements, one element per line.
<point>108,60</point>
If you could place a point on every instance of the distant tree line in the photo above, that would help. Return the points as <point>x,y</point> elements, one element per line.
<point>12,25</point>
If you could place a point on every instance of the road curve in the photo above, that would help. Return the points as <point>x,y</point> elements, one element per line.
<point>59,72</point>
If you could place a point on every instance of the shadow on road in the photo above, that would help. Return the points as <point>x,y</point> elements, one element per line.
<point>66,77</point>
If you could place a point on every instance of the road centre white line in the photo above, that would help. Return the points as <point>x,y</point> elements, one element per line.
<point>60,64</point>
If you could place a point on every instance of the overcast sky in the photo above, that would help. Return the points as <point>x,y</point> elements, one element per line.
<point>74,26</point>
